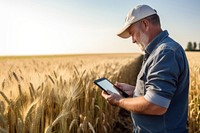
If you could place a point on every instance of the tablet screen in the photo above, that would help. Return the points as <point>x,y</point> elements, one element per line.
<point>106,85</point>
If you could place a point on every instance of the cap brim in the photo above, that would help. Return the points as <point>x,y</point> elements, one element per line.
<point>124,32</point>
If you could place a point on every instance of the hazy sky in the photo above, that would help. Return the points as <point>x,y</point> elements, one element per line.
<point>32,27</point>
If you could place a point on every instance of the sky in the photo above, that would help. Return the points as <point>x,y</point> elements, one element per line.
<point>46,27</point>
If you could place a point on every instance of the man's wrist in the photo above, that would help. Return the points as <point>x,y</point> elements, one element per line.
<point>120,102</point>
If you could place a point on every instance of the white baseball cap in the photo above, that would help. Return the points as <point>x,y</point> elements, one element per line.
<point>134,15</point>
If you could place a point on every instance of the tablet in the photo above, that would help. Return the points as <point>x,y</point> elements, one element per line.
<point>106,85</point>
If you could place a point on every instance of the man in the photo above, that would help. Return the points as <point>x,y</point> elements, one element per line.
<point>159,101</point>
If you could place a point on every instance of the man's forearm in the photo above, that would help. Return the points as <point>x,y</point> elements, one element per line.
<point>141,105</point>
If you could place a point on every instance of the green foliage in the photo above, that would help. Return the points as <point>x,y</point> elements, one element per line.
<point>192,47</point>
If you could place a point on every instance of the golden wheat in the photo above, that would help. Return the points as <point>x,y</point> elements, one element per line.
<point>57,94</point>
<point>194,93</point>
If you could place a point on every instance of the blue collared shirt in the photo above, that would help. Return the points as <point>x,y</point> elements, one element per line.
<point>164,81</point>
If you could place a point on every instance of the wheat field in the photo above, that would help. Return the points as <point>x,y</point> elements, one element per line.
<point>194,92</point>
<point>56,94</point>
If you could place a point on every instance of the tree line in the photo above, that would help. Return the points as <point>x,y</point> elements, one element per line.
<point>193,46</point>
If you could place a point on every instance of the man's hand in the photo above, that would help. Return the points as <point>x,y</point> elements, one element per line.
<point>129,89</point>
<point>112,98</point>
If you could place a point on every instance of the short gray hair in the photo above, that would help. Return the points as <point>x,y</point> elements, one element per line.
<point>154,19</point>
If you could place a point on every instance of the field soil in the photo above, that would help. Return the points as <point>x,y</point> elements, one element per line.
<point>123,123</point>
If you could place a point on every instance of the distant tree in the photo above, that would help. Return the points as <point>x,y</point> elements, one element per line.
<point>189,46</point>
<point>199,46</point>
<point>194,46</point>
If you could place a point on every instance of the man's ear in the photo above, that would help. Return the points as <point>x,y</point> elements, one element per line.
<point>145,24</point>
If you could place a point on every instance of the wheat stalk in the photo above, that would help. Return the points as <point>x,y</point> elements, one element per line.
<point>32,90</point>
<point>5,97</point>
<point>3,84</point>
<point>20,90</point>
<point>74,123</point>
<point>55,74</point>
<point>15,75</point>
<point>51,79</point>
<point>60,117</point>
<point>91,127</point>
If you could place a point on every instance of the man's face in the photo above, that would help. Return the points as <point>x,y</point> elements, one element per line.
<point>138,35</point>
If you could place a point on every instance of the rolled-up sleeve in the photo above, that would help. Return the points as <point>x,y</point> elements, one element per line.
<point>162,77</point>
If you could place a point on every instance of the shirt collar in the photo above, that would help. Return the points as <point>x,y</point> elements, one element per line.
<point>152,45</point>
